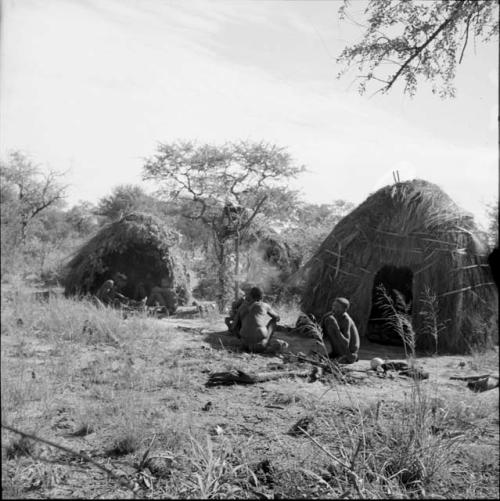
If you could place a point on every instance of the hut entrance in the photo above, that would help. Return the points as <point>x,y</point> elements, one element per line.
<point>138,264</point>
<point>392,290</point>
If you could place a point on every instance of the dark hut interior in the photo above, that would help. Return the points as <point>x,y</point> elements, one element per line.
<point>138,265</point>
<point>138,246</point>
<point>392,286</point>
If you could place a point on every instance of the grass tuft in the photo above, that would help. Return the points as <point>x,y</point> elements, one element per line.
<point>19,447</point>
<point>123,445</point>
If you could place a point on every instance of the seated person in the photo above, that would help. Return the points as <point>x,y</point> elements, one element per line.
<point>340,330</point>
<point>258,321</point>
<point>165,296</point>
<point>232,326</point>
<point>105,293</point>
<point>109,293</point>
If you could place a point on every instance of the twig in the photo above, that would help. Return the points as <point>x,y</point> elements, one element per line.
<point>353,475</point>
<point>338,262</point>
<point>125,483</point>
<point>466,289</point>
<point>466,39</point>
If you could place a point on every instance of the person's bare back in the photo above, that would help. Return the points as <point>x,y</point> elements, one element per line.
<point>258,320</point>
<point>255,324</point>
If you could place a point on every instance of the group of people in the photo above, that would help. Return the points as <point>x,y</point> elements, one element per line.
<point>254,321</point>
<point>161,296</point>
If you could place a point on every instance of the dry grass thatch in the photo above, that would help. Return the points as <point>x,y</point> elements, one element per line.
<point>137,245</point>
<point>410,224</point>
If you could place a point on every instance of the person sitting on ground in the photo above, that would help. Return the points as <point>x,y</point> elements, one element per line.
<point>105,293</point>
<point>164,296</point>
<point>341,331</point>
<point>109,293</point>
<point>232,326</point>
<point>256,327</point>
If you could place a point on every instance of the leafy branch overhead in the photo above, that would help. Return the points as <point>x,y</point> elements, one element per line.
<point>412,41</point>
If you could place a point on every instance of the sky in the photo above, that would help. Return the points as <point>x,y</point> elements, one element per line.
<point>90,87</point>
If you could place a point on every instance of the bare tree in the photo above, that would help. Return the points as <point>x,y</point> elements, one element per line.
<point>27,191</point>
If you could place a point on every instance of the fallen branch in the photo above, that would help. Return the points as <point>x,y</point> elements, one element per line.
<point>240,377</point>
<point>472,377</point>
<point>125,483</point>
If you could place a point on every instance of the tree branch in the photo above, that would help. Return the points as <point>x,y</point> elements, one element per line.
<point>420,48</point>
<point>466,39</point>
<point>255,211</point>
<point>82,455</point>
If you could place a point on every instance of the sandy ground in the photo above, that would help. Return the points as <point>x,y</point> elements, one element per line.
<point>163,377</point>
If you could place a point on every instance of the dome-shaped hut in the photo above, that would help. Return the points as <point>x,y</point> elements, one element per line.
<point>412,239</point>
<point>137,245</point>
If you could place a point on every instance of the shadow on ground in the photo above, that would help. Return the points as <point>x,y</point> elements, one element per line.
<point>222,340</point>
<point>369,350</point>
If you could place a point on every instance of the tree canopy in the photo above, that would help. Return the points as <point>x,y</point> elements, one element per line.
<point>27,191</point>
<point>228,185</point>
<point>239,174</point>
<point>125,198</point>
<point>413,41</point>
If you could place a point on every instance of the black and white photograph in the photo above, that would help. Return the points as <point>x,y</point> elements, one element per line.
<point>249,249</point>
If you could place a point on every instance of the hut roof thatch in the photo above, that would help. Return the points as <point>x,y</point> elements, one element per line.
<point>413,225</point>
<point>137,245</point>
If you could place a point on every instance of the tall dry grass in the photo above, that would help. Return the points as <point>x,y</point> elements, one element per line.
<point>393,449</point>
<point>378,449</point>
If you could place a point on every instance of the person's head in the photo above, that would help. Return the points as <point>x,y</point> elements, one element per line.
<point>164,282</point>
<point>340,305</point>
<point>256,294</point>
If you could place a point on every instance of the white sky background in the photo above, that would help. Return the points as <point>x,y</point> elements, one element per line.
<point>93,85</point>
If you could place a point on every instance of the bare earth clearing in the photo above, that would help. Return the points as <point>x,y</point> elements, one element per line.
<point>61,375</point>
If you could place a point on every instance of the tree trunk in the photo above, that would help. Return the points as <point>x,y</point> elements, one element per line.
<point>220,252</point>
<point>237,266</point>
<point>221,302</point>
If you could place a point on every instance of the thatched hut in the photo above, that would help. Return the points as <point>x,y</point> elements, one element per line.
<point>137,245</point>
<point>414,240</point>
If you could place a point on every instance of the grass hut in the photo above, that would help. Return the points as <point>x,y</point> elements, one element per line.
<point>411,238</point>
<point>137,245</point>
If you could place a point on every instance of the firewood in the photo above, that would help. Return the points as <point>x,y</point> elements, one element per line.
<point>472,377</point>
<point>240,377</point>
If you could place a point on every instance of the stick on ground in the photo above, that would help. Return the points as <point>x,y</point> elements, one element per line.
<point>125,483</point>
